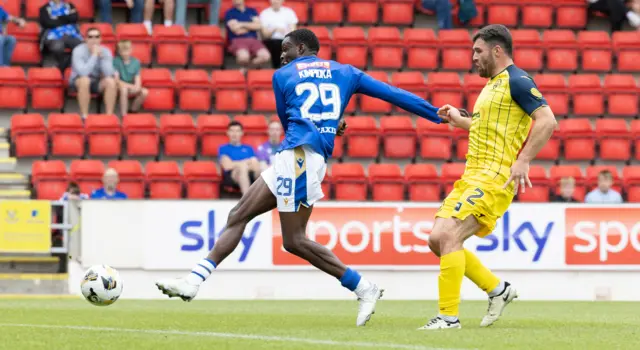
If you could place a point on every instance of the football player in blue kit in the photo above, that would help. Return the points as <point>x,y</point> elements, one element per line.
<point>311,94</point>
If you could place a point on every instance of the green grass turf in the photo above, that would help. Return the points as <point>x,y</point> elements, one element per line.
<point>130,324</point>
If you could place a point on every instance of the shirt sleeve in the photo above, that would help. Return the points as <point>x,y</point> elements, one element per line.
<point>251,153</point>
<point>3,14</point>
<point>293,16</point>
<point>369,86</point>
<point>95,195</point>
<point>223,151</point>
<point>526,94</point>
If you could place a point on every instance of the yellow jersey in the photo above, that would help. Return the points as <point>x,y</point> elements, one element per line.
<point>500,125</point>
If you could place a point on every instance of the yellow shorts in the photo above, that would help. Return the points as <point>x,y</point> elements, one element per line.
<point>486,202</point>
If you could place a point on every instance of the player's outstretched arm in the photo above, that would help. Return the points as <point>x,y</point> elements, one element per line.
<point>401,98</point>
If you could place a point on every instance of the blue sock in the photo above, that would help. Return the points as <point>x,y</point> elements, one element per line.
<point>350,279</point>
<point>201,271</point>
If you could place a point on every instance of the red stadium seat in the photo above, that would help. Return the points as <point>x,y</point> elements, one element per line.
<point>451,172</point>
<point>560,171</point>
<point>49,179</point>
<point>327,186</point>
<point>326,44</point>
<point>202,180</point>
<point>461,138</point>
<point>171,45</point>
<point>327,11</point>
<point>422,48</point>
<point>627,49</point>
<point>255,129</point>
<point>104,135</point>
<point>140,38</point>
<point>410,81</point>
<point>212,130</point>
<point>179,135</point>
<point>161,89</point>
<point>445,89</point>
<point>537,14</point>
<point>338,148</point>
<point>386,46</point>
<point>540,190</point>
<point>635,134</point>
<point>398,137</point>
<point>362,136</point>
<point>351,107</point>
<point>631,176</point>
<point>13,88</point>
<point>554,89</point>
<point>107,36</point>
<point>370,104</point>
<point>362,11</point>
<point>614,138</point>
<point>455,46</point>
<point>551,150</point>
<point>260,85</point>
<point>562,50</point>
<point>87,174</point>
<point>47,88</point>
<point>397,12</point>
<point>301,8</point>
<point>230,89</point>
<point>349,181</point>
<point>164,179</point>
<point>595,50</point>
<point>141,134</point>
<point>387,182</point>
<point>578,137</point>
<point>67,135</point>
<point>571,14</point>
<point>194,90</point>
<point>132,180</point>
<point>423,182</point>
<point>27,50</point>
<point>473,85</point>
<point>436,140</point>
<point>29,135</point>
<point>207,45</point>
<point>588,99</point>
<point>593,172</point>
<point>351,46</point>
<point>528,51</point>
<point>85,8</point>
<point>621,92</point>
<point>32,8</point>
<point>13,7</point>
<point>503,12</point>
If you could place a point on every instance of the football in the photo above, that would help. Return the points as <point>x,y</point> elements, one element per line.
<point>101,285</point>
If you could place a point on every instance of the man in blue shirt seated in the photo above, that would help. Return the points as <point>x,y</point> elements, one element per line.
<point>238,161</point>
<point>110,183</point>
<point>604,194</point>
<point>243,25</point>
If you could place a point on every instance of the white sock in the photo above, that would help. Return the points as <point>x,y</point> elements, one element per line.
<point>498,290</point>
<point>201,272</point>
<point>149,26</point>
<point>362,287</point>
<point>168,23</point>
<point>633,18</point>
<point>451,319</point>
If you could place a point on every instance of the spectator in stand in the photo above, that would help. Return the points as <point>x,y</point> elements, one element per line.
<point>109,189</point>
<point>127,74</point>
<point>60,32</point>
<point>277,21</point>
<point>92,72</point>
<point>243,25</point>
<point>7,42</point>
<point>567,189</point>
<point>618,11</point>
<point>181,11</point>
<point>238,161</point>
<point>267,150</point>
<point>604,194</point>
<point>149,6</point>
<point>73,193</point>
<point>136,7</point>
<point>442,8</point>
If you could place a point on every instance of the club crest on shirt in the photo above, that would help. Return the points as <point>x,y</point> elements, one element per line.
<point>496,84</point>
<point>536,93</point>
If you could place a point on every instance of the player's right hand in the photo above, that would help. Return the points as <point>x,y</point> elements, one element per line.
<point>449,114</point>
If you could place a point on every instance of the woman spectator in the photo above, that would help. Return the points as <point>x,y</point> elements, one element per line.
<point>60,33</point>
<point>277,21</point>
<point>128,78</point>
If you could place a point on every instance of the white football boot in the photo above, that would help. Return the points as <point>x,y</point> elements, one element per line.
<point>440,323</point>
<point>497,305</point>
<point>367,307</point>
<point>178,288</point>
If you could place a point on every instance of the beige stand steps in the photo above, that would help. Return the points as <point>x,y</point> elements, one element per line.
<point>39,284</point>
<point>22,264</point>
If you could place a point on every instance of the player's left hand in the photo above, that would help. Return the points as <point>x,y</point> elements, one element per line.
<point>519,176</point>
<point>342,127</point>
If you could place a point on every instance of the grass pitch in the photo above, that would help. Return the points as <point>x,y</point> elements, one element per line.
<point>129,324</point>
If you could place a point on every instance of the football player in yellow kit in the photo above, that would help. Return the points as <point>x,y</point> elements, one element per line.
<point>497,167</point>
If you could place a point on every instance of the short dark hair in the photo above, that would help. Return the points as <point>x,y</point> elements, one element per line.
<point>606,173</point>
<point>306,37</point>
<point>73,188</point>
<point>235,123</point>
<point>496,34</point>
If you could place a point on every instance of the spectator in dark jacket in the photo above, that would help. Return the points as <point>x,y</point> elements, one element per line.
<point>60,32</point>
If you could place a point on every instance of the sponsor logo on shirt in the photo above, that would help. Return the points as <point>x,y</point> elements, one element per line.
<point>317,64</point>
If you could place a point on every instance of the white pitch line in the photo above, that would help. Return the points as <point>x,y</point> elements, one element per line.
<point>235,336</point>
